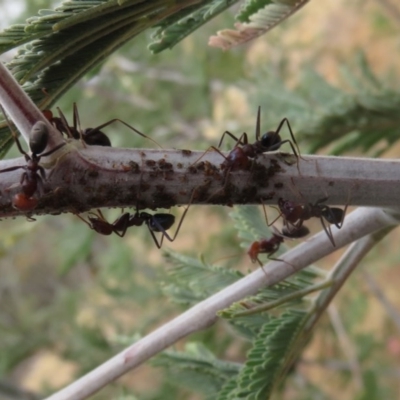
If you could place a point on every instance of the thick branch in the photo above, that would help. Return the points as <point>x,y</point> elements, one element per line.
<point>80,179</point>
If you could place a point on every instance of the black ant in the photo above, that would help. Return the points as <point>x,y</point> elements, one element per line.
<point>271,246</point>
<point>34,174</point>
<point>239,157</point>
<point>90,136</point>
<point>295,214</point>
<point>159,222</point>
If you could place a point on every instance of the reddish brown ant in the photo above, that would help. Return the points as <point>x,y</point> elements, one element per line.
<point>159,222</point>
<point>271,246</point>
<point>295,214</point>
<point>240,156</point>
<point>34,174</point>
<point>90,136</point>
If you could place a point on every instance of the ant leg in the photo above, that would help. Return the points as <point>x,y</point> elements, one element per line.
<point>164,232</point>
<point>209,149</point>
<point>84,220</point>
<point>344,213</point>
<point>280,260</point>
<point>238,141</point>
<point>75,118</point>
<point>258,124</point>
<point>65,125</point>
<point>11,169</point>
<point>54,149</point>
<point>121,225</point>
<point>266,217</point>
<point>94,130</point>
<point>40,187</point>
<point>155,239</point>
<point>77,123</point>
<point>328,231</point>
<point>291,135</point>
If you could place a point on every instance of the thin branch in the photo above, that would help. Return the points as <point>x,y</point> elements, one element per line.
<point>21,109</point>
<point>345,266</point>
<point>358,224</point>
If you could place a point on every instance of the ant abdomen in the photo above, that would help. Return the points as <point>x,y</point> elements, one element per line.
<point>161,222</point>
<point>333,215</point>
<point>270,139</point>
<point>24,203</point>
<point>38,137</point>
<point>95,137</point>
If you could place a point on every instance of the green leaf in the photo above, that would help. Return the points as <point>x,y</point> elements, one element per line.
<point>174,29</point>
<point>267,360</point>
<point>191,280</point>
<point>197,368</point>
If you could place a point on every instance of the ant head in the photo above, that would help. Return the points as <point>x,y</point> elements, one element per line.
<point>253,251</point>
<point>286,206</point>
<point>270,139</point>
<point>39,136</point>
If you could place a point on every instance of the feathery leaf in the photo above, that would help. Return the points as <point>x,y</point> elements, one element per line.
<point>172,30</point>
<point>191,280</point>
<point>256,18</point>
<point>266,360</point>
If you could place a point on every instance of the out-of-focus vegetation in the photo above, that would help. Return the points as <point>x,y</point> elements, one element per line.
<point>70,298</point>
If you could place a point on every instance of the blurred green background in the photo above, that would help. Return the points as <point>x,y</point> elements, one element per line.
<point>71,298</point>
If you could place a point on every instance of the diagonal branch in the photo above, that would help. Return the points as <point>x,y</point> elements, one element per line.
<point>358,224</point>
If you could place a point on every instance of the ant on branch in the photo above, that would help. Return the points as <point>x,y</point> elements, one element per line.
<point>295,214</point>
<point>34,174</point>
<point>240,156</point>
<point>158,222</point>
<point>271,246</point>
<point>90,136</point>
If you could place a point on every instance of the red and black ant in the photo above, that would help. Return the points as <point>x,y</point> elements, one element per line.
<point>159,222</point>
<point>34,174</point>
<point>271,246</point>
<point>240,156</point>
<point>90,136</point>
<point>295,214</point>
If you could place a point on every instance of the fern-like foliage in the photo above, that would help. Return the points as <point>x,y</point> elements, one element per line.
<point>191,280</point>
<point>63,44</point>
<point>197,368</point>
<point>360,119</point>
<point>174,29</point>
<point>275,337</point>
<point>265,363</point>
<point>363,117</point>
<point>256,17</point>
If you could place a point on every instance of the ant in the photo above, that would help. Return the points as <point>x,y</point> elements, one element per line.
<point>239,157</point>
<point>295,214</point>
<point>159,222</point>
<point>271,246</point>
<point>34,174</point>
<point>90,136</point>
